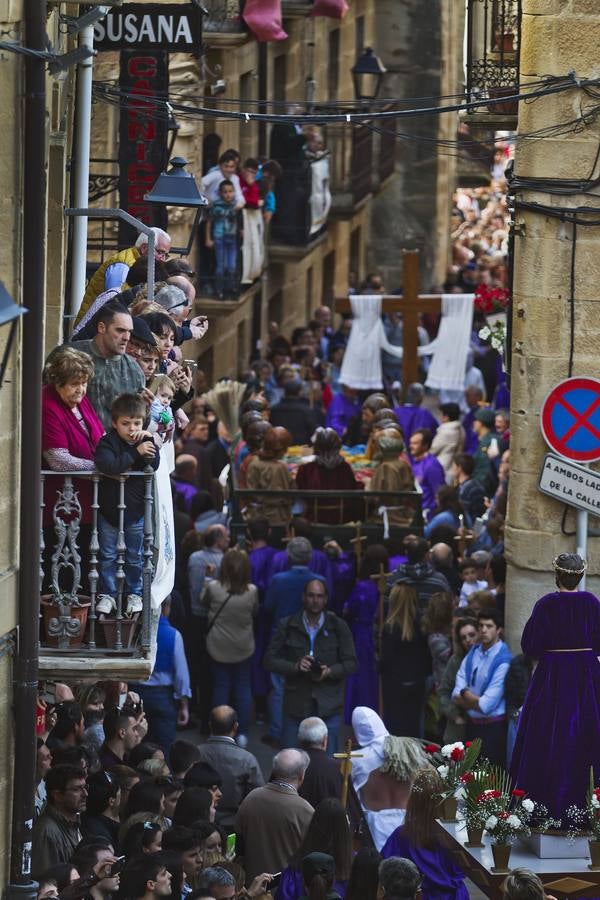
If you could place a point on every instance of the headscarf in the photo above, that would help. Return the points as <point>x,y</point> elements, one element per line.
<point>371,733</point>
<point>327,444</point>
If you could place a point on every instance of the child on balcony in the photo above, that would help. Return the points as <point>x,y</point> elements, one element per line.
<point>126,447</point>
<point>162,421</point>
<point>249,184</point>
<point>222,234</point>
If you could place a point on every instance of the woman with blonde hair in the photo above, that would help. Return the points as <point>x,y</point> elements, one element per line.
<point>417,840</point>
<point>232,603</point>
<point>405,663</point>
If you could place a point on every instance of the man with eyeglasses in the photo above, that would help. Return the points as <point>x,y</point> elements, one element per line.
<point>56,831</point>
<point>314,651</point>
<point>112,273</point>
<point>479,687</point>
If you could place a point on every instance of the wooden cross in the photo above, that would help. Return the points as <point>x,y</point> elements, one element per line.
<point>346,769</point>
<point>357,544</point>
<point>411,304</point>
<point>382,582</point>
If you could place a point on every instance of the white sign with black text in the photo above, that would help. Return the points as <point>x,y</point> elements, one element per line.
<point>572,484</point>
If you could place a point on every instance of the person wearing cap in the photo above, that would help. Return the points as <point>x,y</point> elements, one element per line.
<point>483,425</point>
<point>318,874</point>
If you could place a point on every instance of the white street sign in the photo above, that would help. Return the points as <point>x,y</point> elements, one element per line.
<point>572,484</point>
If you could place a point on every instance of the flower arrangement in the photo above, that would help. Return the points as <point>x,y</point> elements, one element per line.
<point>458,759</point>
<point>504,812</point>
<point>496,333</point>
<point>585,820</point>
<point>489,300</point>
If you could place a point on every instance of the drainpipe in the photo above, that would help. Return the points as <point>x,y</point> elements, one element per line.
<point>83,126</point>
<point>34,288</point>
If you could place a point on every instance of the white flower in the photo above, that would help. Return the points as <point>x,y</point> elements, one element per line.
<point>448,748</point>
<point>491,823</point>
<point>513,822</point>
<point>496,343</point>
<point>529,805</point>
<point>443,770</point>
<point>460,793</point>
<point>484,333</point>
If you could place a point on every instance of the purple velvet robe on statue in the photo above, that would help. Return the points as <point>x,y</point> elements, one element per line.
<point>442,879</point>
<point>260,564</point>
<point>360,610</point>
<point>559,726</point>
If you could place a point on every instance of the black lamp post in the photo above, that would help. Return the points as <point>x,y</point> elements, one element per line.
<point>10,313</point>
<point>367,74</point>
<point>178,188</point>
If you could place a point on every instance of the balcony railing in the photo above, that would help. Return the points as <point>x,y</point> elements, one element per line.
<point>303,202</point>
<point>223,19</point>
<point>351,148</point>
<point>493,44</point>
<point>69,570</point>
<point>250,260</point>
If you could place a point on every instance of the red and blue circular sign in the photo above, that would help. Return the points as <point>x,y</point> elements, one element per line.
<point>570,419</point>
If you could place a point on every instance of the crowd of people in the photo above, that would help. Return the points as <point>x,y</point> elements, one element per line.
<point>286,630</point>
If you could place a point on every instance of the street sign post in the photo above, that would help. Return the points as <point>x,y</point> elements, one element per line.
<point>570,421</point>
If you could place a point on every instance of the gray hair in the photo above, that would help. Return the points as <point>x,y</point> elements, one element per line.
<point>299,551</point>
<point>290,764</point>
<point>170,296</point>
<point>158,233</point>
<point>312,732</point>
<point>522,884</point>
<point>415,393</point>
<point>399,878</point>
<point>214,876</point>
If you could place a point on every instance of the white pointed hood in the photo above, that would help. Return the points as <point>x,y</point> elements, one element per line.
<point>370,732</point>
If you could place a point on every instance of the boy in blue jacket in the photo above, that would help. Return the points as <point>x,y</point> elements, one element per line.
<point>126,447</point>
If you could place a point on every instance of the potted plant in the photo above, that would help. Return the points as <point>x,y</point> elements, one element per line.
<point>506,814</point>
<point>455,760</point>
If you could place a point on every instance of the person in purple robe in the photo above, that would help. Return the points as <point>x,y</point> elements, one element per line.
<point>344,407</point>
<point>415,840</point>
<point>411,415</point>
<point>559,727</point>
<point>427,469</point>
<point>360,611</point>
<point>328,832</point>
<point>260,556</point>
<point>473,399</point>
<point>343,570</point>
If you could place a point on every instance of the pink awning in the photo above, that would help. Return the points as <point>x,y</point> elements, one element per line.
<point>263,18</point>
<point>333,9</point>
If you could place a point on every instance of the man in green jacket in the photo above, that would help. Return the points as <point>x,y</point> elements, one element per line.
<point>314,651</point>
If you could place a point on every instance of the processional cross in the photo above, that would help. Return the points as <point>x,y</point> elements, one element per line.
<point>346,769</point>
<point>411,304</point>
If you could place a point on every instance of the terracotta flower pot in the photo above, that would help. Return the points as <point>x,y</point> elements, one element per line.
<point>474,836</point>
<point>50,611</point>
<point>449,809</point>
<point>510,108</point>
<point>594,854</point>
<point>501,854</point>
<point>128,630</point>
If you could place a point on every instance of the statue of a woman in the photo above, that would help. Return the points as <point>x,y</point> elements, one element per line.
<point>559,727</point>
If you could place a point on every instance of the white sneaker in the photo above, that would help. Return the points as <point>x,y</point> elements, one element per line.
<point>135,604</point>
<point>242,741</point>
<point>105,604</point>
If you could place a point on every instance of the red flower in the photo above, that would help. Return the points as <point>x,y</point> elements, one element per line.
<point>468,743</point>
<point>503,815</point>
<point>518,793</point>
<point>488,795</point>
<point>597,793</point>
<point>431,748</point>
<point>468,776</point>
<point>457,754</point>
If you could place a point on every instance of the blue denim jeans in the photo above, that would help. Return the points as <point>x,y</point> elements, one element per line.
<point>276,705</point>
<point>226,262</point>
<point>161,711</point>
<point>107,565</point>
<point>234,678</point>
<point>290,732</point>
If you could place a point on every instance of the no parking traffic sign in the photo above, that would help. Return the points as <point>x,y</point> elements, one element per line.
<point>570,419</point>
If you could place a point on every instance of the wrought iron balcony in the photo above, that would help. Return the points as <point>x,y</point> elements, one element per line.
<point>352,163</point>
<point>76,638</point>
<point>223,23</point>
<point>250,261</point>
<point>493,44</point>
<point>303,202</point>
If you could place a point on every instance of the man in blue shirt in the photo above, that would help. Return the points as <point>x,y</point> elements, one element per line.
<point>284,598</point>
<point>479,687</point>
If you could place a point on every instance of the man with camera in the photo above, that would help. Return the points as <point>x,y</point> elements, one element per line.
<point>314,651</point>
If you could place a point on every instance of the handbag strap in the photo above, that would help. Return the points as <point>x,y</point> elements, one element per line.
<point>218,613</point>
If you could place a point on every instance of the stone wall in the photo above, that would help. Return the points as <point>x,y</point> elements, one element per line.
<point>558,36</point>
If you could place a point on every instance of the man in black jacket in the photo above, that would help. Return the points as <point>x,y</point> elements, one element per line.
<point>294,413</point>
<point>125,448</point>
<point>323,777</point>
<point>314,651</point>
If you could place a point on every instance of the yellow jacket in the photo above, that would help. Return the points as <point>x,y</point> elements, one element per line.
<point>95,285</point>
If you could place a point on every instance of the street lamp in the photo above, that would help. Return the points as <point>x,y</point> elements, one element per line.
<point>178,188</point>
<point>367,74</point>
<point>10,312</point>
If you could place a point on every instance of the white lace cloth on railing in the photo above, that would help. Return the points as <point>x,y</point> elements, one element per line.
<point>59,459</point>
